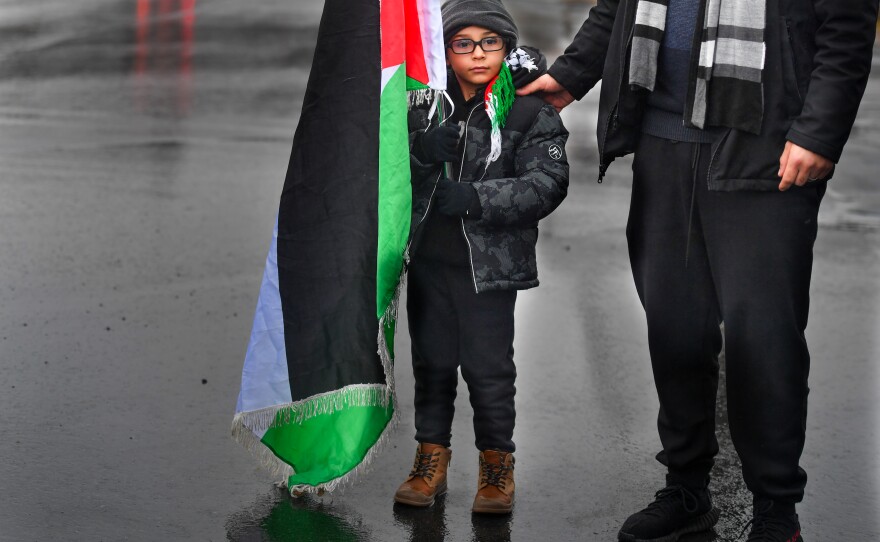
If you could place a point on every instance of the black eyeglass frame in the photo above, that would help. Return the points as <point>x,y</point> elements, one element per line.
<point>474,44</point>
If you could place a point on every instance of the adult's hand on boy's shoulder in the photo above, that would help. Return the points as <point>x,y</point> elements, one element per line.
<point>554,93</point>
<point>457,199</point>
<point>440,144</point>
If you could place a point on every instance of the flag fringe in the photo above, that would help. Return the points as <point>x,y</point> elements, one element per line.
<point>362,468</point>
<point>390,395</point>
<point>385,355</point>
<point>355,395</point>
<point>246,426</point>
<point>265,457</point>
<point>422,96</point>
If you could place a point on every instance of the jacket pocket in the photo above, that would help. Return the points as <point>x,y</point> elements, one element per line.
<point>746,161</point>
<point>789,69</point>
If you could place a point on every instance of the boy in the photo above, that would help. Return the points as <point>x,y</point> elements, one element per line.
<point>472,245</point>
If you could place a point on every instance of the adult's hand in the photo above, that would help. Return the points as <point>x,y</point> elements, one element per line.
<point>797,166</point>
<point>554,93</point>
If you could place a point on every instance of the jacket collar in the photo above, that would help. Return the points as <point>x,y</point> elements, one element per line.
<point>462,107</point>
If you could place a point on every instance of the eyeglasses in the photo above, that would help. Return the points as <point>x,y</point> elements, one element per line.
<point>488,45</point>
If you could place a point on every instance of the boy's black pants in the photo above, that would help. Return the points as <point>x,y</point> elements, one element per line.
<point>700,258</point>
<point>452,326</point>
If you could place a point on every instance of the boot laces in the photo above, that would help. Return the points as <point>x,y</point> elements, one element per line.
<point>666,500</point>
<point>768,527</point>
<point>425,465</point>
<point>494,474</point>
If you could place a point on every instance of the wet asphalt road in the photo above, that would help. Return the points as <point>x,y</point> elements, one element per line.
<point>142,150</point>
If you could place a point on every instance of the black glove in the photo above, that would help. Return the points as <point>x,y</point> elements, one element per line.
<point>457,199</point>
<point>438,145</point>
<point>526,64</point>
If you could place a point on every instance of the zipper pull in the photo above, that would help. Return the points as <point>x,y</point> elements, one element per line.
<point>602,169</point>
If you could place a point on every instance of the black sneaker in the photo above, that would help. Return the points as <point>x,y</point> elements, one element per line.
<point>773,522</point>
<point>677,510</point>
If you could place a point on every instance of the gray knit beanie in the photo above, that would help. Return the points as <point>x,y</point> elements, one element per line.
<point>490,14</point>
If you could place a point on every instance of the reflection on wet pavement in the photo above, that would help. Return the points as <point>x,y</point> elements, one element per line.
<point>490,529</point>
<point>428,524</point>
<point>164,44</point>
<point>280,518</point>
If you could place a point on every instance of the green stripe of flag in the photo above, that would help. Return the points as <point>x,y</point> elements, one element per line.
<point>326,447</point>
<point>395,194</point>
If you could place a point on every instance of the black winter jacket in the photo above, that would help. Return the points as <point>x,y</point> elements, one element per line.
<point>527,182</point>
<point>816,68</point>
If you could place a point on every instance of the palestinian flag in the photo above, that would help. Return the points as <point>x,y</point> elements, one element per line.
<point>317,392</point>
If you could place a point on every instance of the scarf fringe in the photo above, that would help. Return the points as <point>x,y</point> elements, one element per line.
<point>500,95</point>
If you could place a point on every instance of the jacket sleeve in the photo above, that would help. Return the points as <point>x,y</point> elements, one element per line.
<point>580,66</point>
<point>844,42</point>
<point>541,181</point>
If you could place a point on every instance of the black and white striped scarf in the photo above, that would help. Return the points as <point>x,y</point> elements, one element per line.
<point>732,53</point>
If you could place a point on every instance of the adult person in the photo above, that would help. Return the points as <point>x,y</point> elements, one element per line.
<point>736,112</point>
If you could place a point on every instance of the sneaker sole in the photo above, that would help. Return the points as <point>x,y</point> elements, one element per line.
<point>702,523</point>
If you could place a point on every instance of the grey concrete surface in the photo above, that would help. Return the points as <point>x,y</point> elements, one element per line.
<point>142,152</point>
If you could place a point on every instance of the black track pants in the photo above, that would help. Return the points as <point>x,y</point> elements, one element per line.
<point>700,258</point>
<point>452,326</point>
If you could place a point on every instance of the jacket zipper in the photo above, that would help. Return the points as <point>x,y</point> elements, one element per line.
<point>406,252</point>
<point>612,116</point>
<point>790,54</point>
<point>406,257</point>
<point>712,159</point>
<point>463,231</point>
<point>603,166</point>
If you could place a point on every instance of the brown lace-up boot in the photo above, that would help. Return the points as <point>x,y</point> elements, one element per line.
<point>495,491</point>
<point>427,479</point>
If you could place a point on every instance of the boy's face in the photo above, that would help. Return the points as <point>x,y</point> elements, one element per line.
<point>475,68</point>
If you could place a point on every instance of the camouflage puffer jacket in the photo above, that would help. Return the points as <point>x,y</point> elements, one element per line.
<point>527,182</point>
